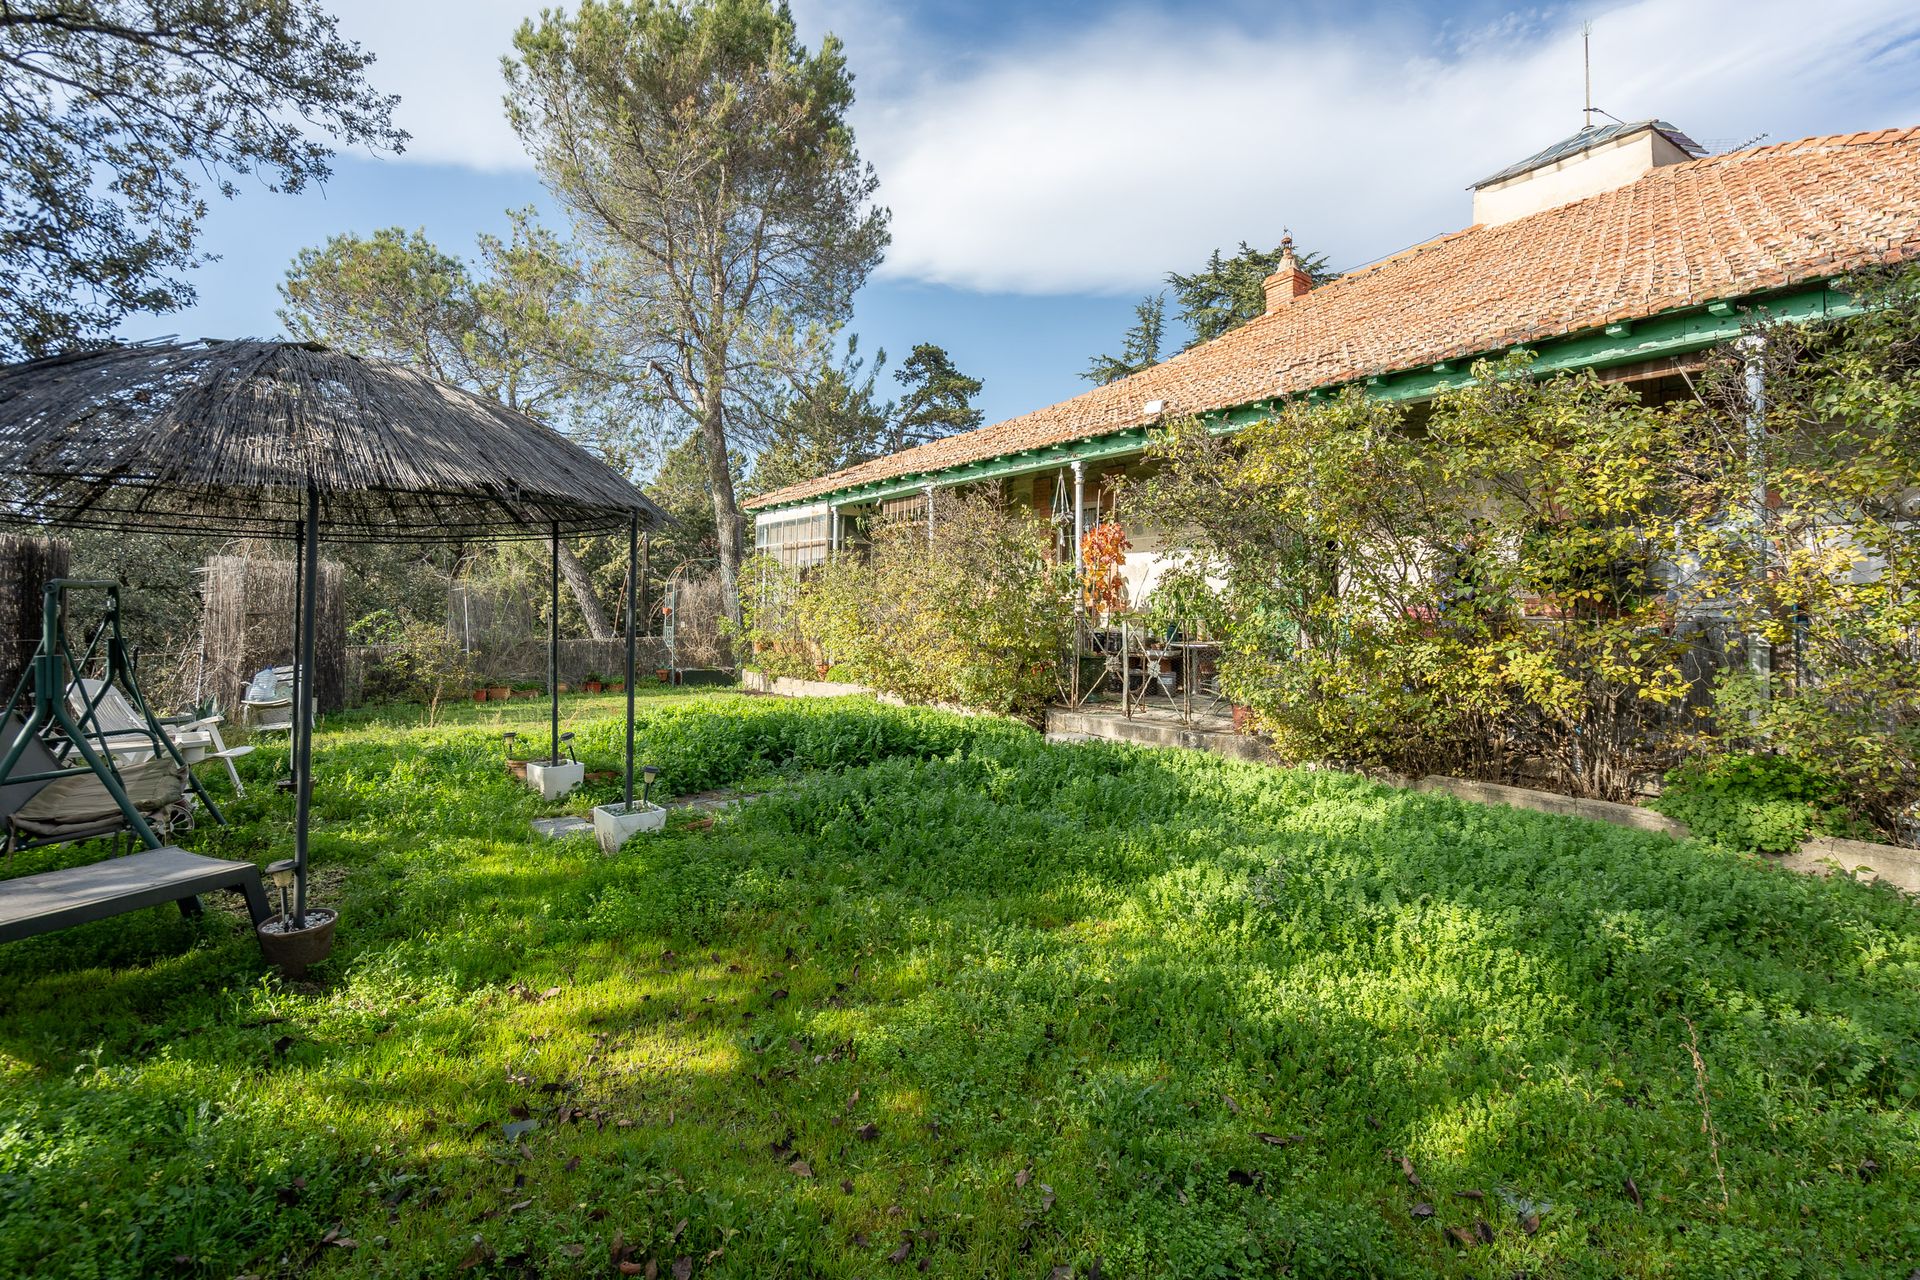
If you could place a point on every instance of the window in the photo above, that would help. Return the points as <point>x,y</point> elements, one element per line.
<point>797,537</point>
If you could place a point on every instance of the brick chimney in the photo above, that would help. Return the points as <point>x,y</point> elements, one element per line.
<point>1289,282</point>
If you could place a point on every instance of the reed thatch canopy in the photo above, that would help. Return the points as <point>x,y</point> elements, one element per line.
<point>232,436</point>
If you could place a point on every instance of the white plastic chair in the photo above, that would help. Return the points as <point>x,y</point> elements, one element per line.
<point>123,731</point>
<point>267,705</point>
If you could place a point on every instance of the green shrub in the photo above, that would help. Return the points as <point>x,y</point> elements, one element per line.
<point>975,616</point>
<point>1760,803</point>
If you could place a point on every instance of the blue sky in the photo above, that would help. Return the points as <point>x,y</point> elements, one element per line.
<point>1048,162</point>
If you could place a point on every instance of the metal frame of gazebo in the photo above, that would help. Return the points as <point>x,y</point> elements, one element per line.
<point>297,440</point>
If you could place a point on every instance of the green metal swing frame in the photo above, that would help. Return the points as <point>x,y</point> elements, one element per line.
<point>44,687</point>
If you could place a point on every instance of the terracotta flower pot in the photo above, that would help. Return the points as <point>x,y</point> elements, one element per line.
<point>292,950</point>
<point>820,669</point>
<point>619,686</point>
<point>498,693</point>
<point>479,695</point>
<point>1242,719</point>
<point>591,686</point>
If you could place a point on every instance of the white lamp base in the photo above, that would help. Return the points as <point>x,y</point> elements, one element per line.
<point>555,780</point>
<point>615,824</point>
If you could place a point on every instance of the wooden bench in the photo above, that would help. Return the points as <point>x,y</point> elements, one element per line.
<point>53,900</point>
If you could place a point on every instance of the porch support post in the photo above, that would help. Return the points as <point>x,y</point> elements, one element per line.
<point>1079,511</point>
<point>1079,585</point>
<point>1759,655</point>
<point>929,515</point>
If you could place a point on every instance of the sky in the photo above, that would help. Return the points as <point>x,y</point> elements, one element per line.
<point>1047,163</point>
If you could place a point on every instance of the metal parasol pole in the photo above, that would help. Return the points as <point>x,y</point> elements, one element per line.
<point>553,646</point>
<point>633,628</point>
<point>303,710</point>
<point>299,577</point>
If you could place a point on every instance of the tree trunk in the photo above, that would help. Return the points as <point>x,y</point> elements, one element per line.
<point>576,575</point>
<point>726,511</point>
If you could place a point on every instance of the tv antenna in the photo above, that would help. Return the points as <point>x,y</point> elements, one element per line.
<point>1586,70</point>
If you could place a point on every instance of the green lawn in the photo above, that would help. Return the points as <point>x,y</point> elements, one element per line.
<point>948,997</point>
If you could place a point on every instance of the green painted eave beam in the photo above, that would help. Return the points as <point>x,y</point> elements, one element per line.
<point>1658,337</point>
<point>1026,462</point>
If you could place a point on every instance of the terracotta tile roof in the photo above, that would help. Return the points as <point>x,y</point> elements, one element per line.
<point>1684,235</point>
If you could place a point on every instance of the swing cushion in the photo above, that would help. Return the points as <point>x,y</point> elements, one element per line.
<point>71,805</point>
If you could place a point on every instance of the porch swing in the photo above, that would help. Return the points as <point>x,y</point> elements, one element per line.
<point>74,767</point>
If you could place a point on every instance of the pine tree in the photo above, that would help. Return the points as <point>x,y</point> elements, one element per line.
<point>939,398</point>
<point>1228,292</point>
<point>1139,348</point>
<point>831,420</point>
<point>705,152</point>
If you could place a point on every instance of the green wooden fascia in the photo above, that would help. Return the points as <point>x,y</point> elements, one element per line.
<point>1005,466</point>
<point>1622,342</point>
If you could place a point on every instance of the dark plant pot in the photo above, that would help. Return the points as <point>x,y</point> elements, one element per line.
<point>663,675</point>
<point>294,950</point>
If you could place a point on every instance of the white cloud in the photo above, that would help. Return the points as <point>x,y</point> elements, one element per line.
<point>1096,158</point>
<point>1098,162</point>
<point>443,59</point>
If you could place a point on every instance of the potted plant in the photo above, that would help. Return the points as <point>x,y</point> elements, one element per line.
<point>615,686</point>
<point>663,675</point>
<point>499,692</point>
<point>480,693</point>
<point>564,687</point>
<point>526,689</point>
<point>593,682</point>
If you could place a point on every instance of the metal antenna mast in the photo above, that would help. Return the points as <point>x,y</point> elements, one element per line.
<point>1586,68</point>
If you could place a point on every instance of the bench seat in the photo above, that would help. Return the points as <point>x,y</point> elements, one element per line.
<point>51,900</point>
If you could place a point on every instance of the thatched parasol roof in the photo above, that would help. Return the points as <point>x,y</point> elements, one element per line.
<point>230,436</point>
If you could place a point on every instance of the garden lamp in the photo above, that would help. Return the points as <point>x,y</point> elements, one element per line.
<point>649,772</point>
<point>566,740</point>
